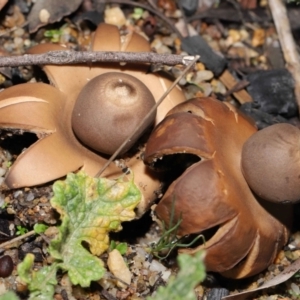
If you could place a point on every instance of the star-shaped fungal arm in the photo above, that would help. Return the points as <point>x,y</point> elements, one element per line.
<point>38,108</point>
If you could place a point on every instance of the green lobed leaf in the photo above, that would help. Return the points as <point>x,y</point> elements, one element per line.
<point>41,283</point>
<point>24,268</point>
<point>90,208</point>
<point>192,272</point>
<point>10,295</point>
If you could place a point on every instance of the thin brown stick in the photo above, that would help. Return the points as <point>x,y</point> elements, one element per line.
<point>64,57</point>
<point>230,82</point>
<point>11,243</point>
<point>151,111</point>
<point>287,42</point>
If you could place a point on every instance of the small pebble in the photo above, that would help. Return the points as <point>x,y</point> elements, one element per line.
<point>12,228</point>
<point>18,41</point>
<point>295,288</point>
<point>114,16</point>
<point>166,275</point>
<point>44,15</point>
<point>156,266</point>
<point>30,196</point>
<point>2,171</point>
<point>19,32</point>
<point>17,193</point>
<point>153,278</point>
<point>169,40</point>
<point>160,48</point>
<point>205,88</point>
<point>2,289</point>
<point>11,211</point>
<point>201,76</point>
<point>218,86</point>
<point>6,266</point>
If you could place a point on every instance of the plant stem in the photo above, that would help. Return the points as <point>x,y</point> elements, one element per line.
<point>287,42</point>
<point>11,243</point>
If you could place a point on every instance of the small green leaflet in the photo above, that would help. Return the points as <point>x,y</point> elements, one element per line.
<point>121,247</point>
<point>192,272</point>
<point>40,283</point>
<point>40,228</point>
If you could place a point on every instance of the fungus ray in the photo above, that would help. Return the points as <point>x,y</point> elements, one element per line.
<point>34,107</point>
<point>43,158</point>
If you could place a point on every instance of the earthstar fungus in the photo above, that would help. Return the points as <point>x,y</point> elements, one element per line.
<point>47,110</point>
<point>212,193</point>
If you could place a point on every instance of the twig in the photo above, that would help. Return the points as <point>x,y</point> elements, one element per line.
<point>287,42</point>
<point>151,111</point>
<point>3,233</point>
<point>63,57</point>
<point>9,244</point>
<point>230,82</point>
<point>237,87</point>
<point>186,27</point>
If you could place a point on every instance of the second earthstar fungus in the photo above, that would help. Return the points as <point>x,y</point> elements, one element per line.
<point>211,192</point>
<point>48,111</point>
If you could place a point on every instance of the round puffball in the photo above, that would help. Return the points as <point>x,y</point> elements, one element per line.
<point>271,163</point>
<point>109,108</point>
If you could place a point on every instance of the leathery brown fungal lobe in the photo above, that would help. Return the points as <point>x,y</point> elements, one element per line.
<point>271,163</point>
<point>108,110</point>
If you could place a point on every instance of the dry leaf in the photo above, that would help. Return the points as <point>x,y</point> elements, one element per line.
<point>118,267</point>
<point>258,38</point>
<point>55,8</point>
<point>286,274</point>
